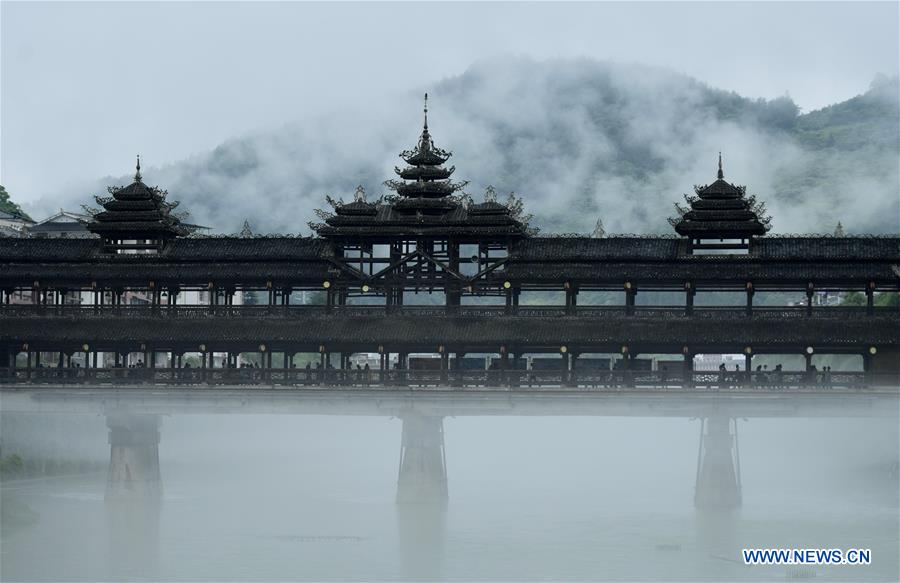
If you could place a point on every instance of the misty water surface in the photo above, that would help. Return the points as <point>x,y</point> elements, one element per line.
<point>313,497</point>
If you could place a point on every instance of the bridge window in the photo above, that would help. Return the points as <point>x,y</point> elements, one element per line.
<point>720,246</point>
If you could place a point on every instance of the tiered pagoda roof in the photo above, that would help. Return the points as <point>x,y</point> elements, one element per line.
<point>721,211</point>
<point>136,212</point>
<point>425,177</point>
<point>426,203</point>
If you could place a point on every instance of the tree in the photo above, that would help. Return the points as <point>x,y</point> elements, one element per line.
<point>8,206</point>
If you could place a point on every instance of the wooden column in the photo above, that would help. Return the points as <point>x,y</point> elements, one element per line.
<point>571,297</point>
<point>688,367</point>
<point>573,374</point>
<point>402,362</point>
<point>748,366</point>
<point>630,298</point>
<point>689,292</point>
<point>626,366</point>
<point>870,298</point>
<point>810,291</point>
<point>867,368</point>
<point>750,292</point>
<point>445,365</point>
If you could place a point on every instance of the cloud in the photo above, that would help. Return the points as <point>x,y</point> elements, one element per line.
<point>578,139</point>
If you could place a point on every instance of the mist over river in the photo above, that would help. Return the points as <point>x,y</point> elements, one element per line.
<point>474,492</point>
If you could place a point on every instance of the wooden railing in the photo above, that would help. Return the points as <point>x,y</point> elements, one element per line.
<point>303,311</point>
<point>453,379</point>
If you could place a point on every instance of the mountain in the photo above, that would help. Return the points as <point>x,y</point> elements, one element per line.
<point>578,139</point>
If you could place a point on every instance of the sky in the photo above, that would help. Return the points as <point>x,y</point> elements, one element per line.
<point>86,86</point>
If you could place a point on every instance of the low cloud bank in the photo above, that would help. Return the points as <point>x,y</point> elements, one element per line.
<point>578,139</point>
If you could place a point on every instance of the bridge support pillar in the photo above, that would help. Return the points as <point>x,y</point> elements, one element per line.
<point>718,482</point>
<point>445,367</point>
<point>688,368</point>
<point>882,367</point>
<point>422,476</point>
<point>573,362</point>
<point>133,457</point>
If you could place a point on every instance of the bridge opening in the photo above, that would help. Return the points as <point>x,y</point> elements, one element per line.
<point>601,298</point>
<point>425,297</point>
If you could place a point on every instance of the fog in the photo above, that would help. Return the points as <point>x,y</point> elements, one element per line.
<point>586,110</point>
<point>612,493</point>
<point>578,139</point>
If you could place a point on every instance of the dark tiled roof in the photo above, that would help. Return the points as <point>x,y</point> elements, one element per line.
<point>737,272</point>
<point>548,260</point>
<point>138,273</point>
<point>47,250</point>
<point>721,189</point>
<point>554,249</point>
<point>136,211</point>
<point>367,332</point>
<point>825,247</point>
<point>262,249</point>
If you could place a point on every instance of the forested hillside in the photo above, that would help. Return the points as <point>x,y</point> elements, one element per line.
<point>577,139</point>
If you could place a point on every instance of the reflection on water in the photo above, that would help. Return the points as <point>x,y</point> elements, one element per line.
<point>425,497</point>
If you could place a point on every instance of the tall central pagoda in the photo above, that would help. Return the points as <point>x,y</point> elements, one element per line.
<point>426,204</point>
<point>425,177</point>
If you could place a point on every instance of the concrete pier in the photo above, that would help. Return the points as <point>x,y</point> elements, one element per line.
<point>718,483</point>
<point>422,474</point>
<point>133,458</point>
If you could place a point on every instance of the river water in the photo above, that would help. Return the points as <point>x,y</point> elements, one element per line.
<point>315,497</point>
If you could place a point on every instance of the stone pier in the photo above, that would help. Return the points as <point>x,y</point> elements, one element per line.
<point>718,483</point>
<point>422,475</point>
<point>133,458</point>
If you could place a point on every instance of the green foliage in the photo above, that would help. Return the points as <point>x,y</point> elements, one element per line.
<point>12,466</point>
<point>8,206</point>
<point>882,299</point>
<point>863,122</point>
<point>854,299</point>
<point>888,299</point>
<point>192,361</point>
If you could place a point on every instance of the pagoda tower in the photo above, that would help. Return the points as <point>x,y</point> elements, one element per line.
<point>136,218</point>
<point>427,236</point>
<point>721,217</point>
<point>425,185</point>
<point>426,206</point>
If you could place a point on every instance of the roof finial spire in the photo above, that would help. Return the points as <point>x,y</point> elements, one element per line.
<point>137,174</point>
<point>426,112</point>
<point>721,174</point>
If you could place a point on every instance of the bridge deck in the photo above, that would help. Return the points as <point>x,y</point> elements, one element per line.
<point>400,401</point>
